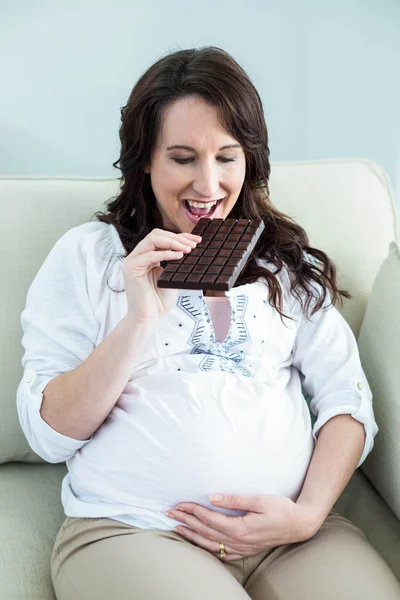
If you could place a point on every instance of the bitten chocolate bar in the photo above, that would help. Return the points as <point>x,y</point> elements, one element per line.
<point>217,261</point>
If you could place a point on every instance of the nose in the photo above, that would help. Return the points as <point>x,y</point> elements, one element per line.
<point>206,183</point>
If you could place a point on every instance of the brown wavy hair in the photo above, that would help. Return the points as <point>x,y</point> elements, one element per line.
<point>212,74</point>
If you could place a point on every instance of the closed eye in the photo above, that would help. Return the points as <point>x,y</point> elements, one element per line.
<point>185,161</point>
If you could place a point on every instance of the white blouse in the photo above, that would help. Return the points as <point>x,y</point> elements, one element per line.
<point>197,416</point>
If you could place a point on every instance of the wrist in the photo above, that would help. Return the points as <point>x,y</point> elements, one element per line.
<point>311,518</point>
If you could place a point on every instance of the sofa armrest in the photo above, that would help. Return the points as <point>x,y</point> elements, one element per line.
<point>379,345</point>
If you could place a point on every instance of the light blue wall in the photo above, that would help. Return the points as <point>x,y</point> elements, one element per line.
<point>328,72</point>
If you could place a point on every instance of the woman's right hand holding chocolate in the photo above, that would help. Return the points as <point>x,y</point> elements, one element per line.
<point>141,270</point>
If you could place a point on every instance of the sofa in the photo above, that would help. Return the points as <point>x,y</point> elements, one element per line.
<point>347,208</point>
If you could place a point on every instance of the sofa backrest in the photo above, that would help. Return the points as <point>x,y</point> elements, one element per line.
<point>379,346</point>
<point>346,207</point>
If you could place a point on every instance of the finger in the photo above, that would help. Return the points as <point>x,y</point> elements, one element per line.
<point>230,526</point>
<point>204,542</point>
<point>161,243</point>
<point>164,240</point>
<point>190,236</point>
<point>248,502</point>
<point>164,243</point>
<point>195,524</point>
<point>144,261</point>
<point>171,234</point>
<point>230,557</point>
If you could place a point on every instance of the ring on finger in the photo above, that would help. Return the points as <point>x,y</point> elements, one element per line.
<point>222,552</point>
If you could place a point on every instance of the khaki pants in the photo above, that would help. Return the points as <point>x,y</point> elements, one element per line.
<point>104,559</point>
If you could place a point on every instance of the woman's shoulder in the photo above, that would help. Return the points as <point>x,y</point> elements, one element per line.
<point>283,276</point>
<point>93,237</point>
<point>293,295</point>
<point>91,250</point>
<point>91,241</point>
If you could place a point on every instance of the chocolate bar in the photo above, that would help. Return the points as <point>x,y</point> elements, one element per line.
<point>217,261</point>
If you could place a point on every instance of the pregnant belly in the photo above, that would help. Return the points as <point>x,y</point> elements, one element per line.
<point>181,437</point>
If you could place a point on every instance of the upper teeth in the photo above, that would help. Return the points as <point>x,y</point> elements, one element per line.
<point>202,204</point>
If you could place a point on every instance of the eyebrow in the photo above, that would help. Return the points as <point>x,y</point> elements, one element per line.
<point>190,148</point>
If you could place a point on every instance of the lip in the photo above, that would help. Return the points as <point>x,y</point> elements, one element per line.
<point>193,218</point>
<point>201,201</point>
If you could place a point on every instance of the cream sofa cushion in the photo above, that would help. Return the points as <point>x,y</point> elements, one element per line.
<point>379,345</point>
<point>346,207</point>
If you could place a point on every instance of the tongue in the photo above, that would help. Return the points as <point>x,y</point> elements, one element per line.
<point>198,212</point>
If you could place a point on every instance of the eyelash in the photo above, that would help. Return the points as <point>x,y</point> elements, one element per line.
<point>185,161</point>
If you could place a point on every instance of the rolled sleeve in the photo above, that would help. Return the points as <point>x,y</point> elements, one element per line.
<point>326,355</point>
<point>48,443</point>
<point>60,331</point>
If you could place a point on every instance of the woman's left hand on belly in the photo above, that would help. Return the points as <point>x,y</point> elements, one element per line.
<point>270,521</point>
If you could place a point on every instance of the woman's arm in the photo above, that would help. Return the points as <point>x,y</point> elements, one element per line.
<point>76,403</point>
<point>336,454</point>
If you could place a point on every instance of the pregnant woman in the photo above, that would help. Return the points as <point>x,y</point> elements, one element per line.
<point>194,470</point>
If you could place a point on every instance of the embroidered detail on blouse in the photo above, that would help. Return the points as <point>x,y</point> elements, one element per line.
<point>189,305</point>
<point>219,363</point>
<point>220,356</point>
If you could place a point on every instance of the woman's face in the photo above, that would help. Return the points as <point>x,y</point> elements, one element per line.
<point>204,173</point>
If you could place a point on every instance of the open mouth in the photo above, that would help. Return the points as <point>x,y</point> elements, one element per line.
<point>196,210</point>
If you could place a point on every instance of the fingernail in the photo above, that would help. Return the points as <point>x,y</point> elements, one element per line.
<point>216,498</point>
